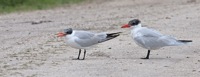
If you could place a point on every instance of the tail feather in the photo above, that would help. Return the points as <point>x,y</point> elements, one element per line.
<point>112,35</point>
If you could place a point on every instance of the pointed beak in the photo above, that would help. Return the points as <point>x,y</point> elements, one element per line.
<point>61,34</point>
<point>126,26</point>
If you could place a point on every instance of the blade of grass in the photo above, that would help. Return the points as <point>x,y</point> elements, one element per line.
<point>7,6</point>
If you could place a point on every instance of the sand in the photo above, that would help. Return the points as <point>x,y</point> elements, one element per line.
<point>29,47</point>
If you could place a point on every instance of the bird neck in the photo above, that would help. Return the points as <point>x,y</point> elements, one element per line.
<point>139,25</point>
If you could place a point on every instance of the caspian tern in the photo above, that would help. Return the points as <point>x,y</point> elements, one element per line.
<point>84,39</point>
<point>151,39</point>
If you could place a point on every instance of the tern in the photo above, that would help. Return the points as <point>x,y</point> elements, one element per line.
<point>151,39</point>
<point>84,39</point>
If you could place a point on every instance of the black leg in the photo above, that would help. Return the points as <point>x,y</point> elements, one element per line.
<point>84,54</point>
<point>147,57</point>
<point>79,53</point>
<point>148,54</point>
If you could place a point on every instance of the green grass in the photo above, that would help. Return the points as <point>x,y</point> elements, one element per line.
<point>7,6</point>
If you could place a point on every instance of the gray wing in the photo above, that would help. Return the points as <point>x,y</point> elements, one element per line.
<point>170,41</point>
<point>84,34</point>
<point>148,42</point>
<point>156,39</point>
<point>146,32</point>
<point>86,39</point>
<point>148,38</point>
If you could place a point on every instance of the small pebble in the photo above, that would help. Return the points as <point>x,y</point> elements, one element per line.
<point>166,66</point>
<point>125,69</point>
<point>168,57</point>
<point>167,18</point>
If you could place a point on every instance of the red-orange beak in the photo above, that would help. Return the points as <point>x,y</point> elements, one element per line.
<point>61,34</point>
<point>126,26</point>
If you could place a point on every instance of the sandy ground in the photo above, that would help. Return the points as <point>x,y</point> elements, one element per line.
<point>29,47</point>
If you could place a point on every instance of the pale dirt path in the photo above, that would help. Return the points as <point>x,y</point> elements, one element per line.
<point>32,50</point>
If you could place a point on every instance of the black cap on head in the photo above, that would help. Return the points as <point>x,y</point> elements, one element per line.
<point>68,31</point>
<point>134,22</point>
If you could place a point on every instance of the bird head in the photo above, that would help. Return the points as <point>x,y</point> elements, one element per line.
<point>131,23</point>
<point>66,32</point>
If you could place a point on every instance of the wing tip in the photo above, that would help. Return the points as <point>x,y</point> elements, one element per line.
<point>185,40</point>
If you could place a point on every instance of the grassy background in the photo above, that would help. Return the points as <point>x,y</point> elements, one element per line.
<point>7,6</point>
